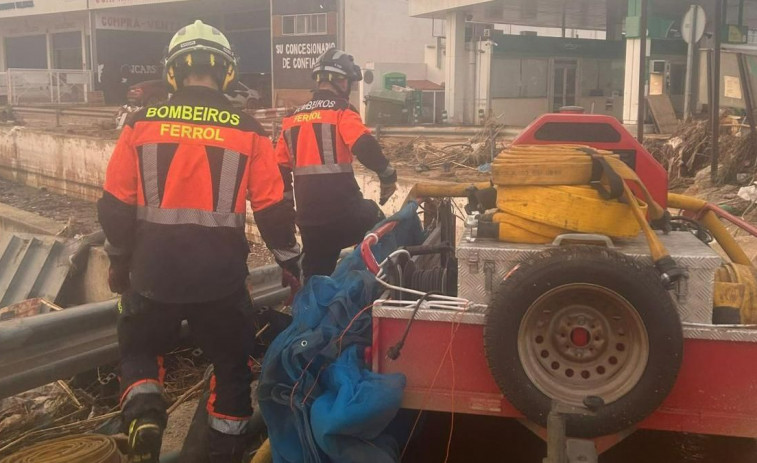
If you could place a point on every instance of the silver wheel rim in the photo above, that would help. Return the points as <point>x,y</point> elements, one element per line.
<point>582,340</point>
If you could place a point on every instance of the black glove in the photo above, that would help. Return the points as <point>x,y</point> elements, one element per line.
<point>118,274</point>
<point>388,180</point>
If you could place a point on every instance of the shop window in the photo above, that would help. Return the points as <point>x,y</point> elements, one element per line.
<point>751,36</point>
<point>519,78</point>
<point>601,77</point>
<point>287,27</point>
<point>318,23</point>
<point>27,52</point>
<point>304,24</point>
<point>733,13</point>
<point>534,77</point>
<point>301,24</point>
<point>67,52</point>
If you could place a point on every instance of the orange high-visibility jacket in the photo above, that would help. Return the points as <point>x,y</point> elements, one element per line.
<point>317,144</point>
<point>175,197</point>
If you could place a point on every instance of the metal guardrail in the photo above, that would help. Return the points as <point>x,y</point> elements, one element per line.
<point>59,113</point>
<point>107,113</point>
<point>37,350</point>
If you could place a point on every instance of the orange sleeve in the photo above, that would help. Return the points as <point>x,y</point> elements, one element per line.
<point>351,127</point>
<point>265,184</point>
<point>121,177</point>
<point>283,155</point>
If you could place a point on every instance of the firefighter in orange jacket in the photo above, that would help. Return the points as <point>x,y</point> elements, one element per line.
<point>316,147</point>
<point>173,210</point>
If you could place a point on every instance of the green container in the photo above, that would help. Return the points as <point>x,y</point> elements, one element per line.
<point>386,108</point>
<point>394,78</point>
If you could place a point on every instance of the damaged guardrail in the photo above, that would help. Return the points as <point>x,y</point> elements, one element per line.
<point>37,350</point>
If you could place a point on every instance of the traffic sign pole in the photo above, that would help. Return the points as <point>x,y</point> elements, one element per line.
<point>692,29</point>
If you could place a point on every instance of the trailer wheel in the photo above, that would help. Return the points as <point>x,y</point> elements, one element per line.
<point>584,321</point>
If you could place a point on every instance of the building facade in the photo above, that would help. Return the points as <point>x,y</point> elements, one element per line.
<point>121,42</point>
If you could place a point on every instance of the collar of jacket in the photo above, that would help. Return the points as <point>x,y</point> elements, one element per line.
<point>206,94</point>
<point>324,94</point>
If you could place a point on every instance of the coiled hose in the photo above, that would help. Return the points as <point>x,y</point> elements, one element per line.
<point>89,448</point>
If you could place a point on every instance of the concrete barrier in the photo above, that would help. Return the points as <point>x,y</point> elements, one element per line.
<point>13,220</point>
<point>71,165</point>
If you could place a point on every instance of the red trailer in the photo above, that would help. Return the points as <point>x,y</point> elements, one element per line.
<point>580,338</point>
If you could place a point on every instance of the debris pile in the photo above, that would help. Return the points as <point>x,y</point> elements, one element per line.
<point>423,155</point>
<point>737,156</point>
<point>87,403</point>
<point>686,152</point>
<point>689,151</point>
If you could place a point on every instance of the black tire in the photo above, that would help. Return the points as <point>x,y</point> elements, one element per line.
<point>595,266</point>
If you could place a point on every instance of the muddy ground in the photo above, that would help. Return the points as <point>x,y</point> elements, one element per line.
<point>178,426</point>
<point>81,216</point>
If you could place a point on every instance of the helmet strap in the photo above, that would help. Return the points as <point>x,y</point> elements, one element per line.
<point>343,93</point>
<point>334,86</point>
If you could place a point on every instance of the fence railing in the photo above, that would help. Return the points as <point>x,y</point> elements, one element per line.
<point>3,88</point>
<point>44,86</point>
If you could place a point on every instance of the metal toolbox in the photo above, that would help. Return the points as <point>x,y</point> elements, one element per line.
<point>483,263</point>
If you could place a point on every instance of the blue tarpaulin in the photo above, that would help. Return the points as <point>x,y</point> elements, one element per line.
<point>318,400</point>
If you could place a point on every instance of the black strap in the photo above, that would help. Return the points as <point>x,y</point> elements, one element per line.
<point>601,169</point>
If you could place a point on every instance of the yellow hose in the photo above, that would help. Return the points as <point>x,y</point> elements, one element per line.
<point>561,165</point>
<point>736,287</point>
<point>548,185</point>
<point>656,248</point>
<point>514,229</point>
<point>444,190</point>
<point>263,455</point>
<point>713,224</point>
<point>568,209</point>
<point>89,448</point>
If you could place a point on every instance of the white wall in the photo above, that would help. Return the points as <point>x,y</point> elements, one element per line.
<point>382,31</point>
<point>519,112</point>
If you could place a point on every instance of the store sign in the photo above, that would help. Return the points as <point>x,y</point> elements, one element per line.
<point>42,25</point>
<point>126,22</point>
<point>16,5</point>
<point>32,7</point>
<point>93,4</point>
<point>294,58</point>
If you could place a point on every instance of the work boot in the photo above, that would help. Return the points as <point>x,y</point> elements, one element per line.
<point>145,439</point>
<point>227,448</point>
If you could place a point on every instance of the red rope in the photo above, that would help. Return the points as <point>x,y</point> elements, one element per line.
<point>339,340</point>
<point>455,327</point>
